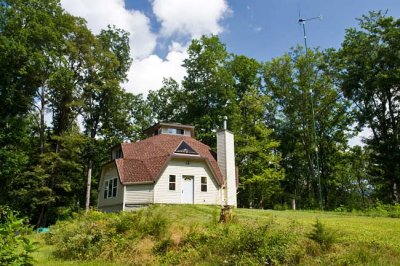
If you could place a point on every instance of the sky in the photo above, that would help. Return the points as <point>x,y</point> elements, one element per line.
<point>161,30</point>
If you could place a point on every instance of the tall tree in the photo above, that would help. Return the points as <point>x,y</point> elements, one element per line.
<point>368,64</point>
<point>166,103</point>
<point>102,91</point>
<point>290,80</point>
<point>208,87</point>
<point>32,43</point>
<point>257,153</point>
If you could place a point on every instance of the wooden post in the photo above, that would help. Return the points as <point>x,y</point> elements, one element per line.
<point>293,204</point>
<point>226,214</point>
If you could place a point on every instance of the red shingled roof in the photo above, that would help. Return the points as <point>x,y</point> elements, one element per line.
<point>145,160</point>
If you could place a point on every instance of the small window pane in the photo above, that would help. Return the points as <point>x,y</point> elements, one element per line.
<point>204,183</point>
<point>115,182</point>
<point>172,180</point>
<point>114,192</point>
<point>105,189</point>
<point>110,189</point>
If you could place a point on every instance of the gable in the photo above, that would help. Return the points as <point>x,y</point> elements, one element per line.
<point>185,149</point>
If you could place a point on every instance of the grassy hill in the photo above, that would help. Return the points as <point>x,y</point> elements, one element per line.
<point>188,235</point>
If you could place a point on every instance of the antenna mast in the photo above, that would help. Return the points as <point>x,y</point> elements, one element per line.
<point>315,144</point>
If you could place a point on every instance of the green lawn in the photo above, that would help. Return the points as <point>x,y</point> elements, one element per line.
<point>360,240</point>
<point>351,228</point>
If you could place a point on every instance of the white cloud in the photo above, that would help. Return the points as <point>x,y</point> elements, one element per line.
<point>149,72</point>
<point>100,13</point>
<point>357,140</point>
<point>193,18</point>
<point>256,28</point>
<point>178,18</point>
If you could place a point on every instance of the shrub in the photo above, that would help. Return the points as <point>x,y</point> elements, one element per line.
<point>232,244</point>
<point>15,247</point>
<point>322,235</point>
<point>104,235</point>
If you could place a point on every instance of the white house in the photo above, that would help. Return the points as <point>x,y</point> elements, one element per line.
<point>169,166</point>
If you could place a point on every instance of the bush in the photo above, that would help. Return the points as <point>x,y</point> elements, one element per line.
<point>15,247</point>
<point>104,235</point>
<point>322,235</point>
<point>231,244</point>
<point>378,210</point>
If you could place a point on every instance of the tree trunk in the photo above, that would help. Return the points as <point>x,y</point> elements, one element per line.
<point>395,192</point>
<point>360,187</point>
<point>88,185</point>
<point>40,219</point>
<point>42,125</point>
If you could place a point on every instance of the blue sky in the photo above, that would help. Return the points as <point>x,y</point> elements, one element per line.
<point>161,30</point>
<point>279,30</point>
<point>264,29</point>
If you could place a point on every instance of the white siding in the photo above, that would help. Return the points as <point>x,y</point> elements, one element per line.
<point>226,162</point>
<point>179,167</point>
<point>110,172</point>
<point>139,194</point>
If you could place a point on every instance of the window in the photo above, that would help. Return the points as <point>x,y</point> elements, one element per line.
<point>203,183</point>
<point>172,182</point>
<point>118,154</point>
<point>176,131</point>
<point>110,188</point>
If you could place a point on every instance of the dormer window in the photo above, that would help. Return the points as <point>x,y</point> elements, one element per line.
<point>170,129</point>
<point>117,154</point>
<point>176,131</point>
<point>185,149</point>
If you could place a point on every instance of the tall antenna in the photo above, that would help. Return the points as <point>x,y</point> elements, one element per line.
<point>315,144</point>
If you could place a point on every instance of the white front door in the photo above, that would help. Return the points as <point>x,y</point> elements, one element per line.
<point>187,189</point>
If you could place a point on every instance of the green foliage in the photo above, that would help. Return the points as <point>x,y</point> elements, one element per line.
<point>293,81</point>
<point>367,68</point>
<point>238,243</point>
<point>54,64</point>
<point>15,246</point>
<point>377,210</point>
<point>209,94</point>
<point>322,235</point>
<point>100,235</point>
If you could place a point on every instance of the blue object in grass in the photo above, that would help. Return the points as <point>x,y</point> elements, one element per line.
<point>43,230</point>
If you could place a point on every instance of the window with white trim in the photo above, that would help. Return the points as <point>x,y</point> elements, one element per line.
<point>172,182</point>
<point>204,183</point>
<point>110,188</point>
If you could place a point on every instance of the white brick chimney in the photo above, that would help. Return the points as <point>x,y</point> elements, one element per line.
<point>226,162</point>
